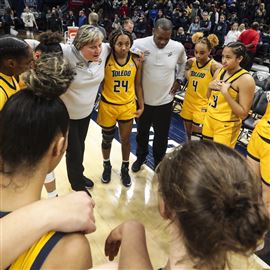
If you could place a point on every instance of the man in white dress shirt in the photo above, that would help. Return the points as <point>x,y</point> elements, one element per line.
<point>160,81</point>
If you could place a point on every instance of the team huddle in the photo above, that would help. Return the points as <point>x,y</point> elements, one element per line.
<point>46,105</point>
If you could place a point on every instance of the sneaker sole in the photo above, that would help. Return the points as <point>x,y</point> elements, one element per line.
<point>124,184</point>
<point>89,187</point>
<point>127,186</point>
<point>105,182</point>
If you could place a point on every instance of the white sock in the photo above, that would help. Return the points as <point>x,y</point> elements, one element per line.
<point>52,194</point>
<point>195,138</point>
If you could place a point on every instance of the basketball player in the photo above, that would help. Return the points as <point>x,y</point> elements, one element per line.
<point>258,152</point>
<point>230,97</point>
<point>48,42</point>
<point>70,213</point>
<point>33,138</point>
<point>215,213</point>
<point>121,87</point>
<point>15,58</point>
<point>199,72</point>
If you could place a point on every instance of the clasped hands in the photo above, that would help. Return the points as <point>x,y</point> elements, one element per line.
<point>219,85</point>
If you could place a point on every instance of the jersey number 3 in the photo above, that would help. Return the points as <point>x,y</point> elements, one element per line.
<point>120,84</point>
<point>215,101</point>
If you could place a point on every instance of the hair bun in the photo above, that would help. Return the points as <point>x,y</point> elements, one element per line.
<point>196,37</point>
<point>50,38</point>
<point>213,39</point>
<point>51,76</point>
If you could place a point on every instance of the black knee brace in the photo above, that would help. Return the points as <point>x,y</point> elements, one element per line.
<point>107,137</point>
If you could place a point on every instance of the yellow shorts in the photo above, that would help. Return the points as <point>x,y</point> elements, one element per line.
<point>109,114</point>
<point>259,150</point>
<point>221,132</point>
<point>194,113</point>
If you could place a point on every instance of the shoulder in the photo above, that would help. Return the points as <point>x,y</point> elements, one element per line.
<point>246,78</point>
<point>142,41</point>
<point>72,251</point>
<point>177,45</point>
<point>65,47</point>
<point>217,72</point>
<point>215,66</point>
<point>191,60</point>
<point>136,59</point>
<point>246,84</point>
<point>106,49</point>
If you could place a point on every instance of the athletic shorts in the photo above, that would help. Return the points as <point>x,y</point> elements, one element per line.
<point>109,114</point>
<point>193,113</point>
<point>259,150</point>
<point>221,132</point>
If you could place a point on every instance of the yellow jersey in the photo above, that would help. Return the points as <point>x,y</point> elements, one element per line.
<point>34,257</point>
<point>198,82</point>
<point>119,82</point>
<point>8,87</point>
<point>263,126</point>
<point>218,108</point>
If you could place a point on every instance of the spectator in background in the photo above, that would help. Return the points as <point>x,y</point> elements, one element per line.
<point>152,14</point>
<point>259,16</point>
<point>48,15</point>
<point>176,18</point>
<point>194,26</point>
<point>250,38</point>
<point>180,35</point>
<point>70,19</point>
<point>55,22</point>
<point>242,28</point>
<point>59,10</point>
<point>123,10</point>
<point>232,35</point>
<point>184,20</point>
<point>7,20</point>
<point>233,18</point>
<point>116,23</point>
<point>160,15</point>
<point>214,17</point>
<point>82,18</point>
<point>220,30</point>
<point>129,26</point>
<point>93,19</point>
<point>196,11</point>
<point>29,21</point>
<point>264,45</point>
<point>140,27</point>
<point>205,24</point>
<point>242,12</point>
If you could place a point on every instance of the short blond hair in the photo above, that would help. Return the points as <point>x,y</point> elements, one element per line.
<point>87,34</point>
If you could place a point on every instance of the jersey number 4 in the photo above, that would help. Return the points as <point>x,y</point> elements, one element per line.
<point>195,85</point>
<point>120,84</point>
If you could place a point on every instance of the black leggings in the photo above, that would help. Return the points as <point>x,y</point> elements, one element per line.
<point>75,152</point>
<point>160,118</point>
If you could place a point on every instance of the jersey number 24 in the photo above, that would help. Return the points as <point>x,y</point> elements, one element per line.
<point>120,84</point>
